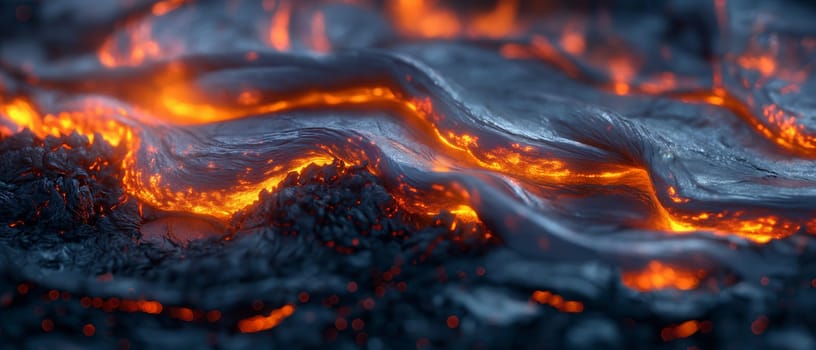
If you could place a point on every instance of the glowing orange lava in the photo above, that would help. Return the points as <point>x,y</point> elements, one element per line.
<point>557,302</point>
<point>775,124</point>
<point>516,160</point>
<point>262,323</point>
<point>137,45</point>
<point>279,30</point>
<point>683,330</point>
<point>424,18</point>
<point>432,19</point>
<point>177,105</point>
<point>659,276</point>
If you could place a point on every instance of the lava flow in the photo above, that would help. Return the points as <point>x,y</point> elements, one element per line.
<point>521,162</point>
<point>537,156</point>
<point>205,127</point>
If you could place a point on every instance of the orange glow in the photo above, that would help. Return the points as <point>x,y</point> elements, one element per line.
<point>87,122</point>
<point>465,213</point>
<point>146,306</point>
<point>279,30</point>
<point>516,160</point>
<point>150,307</point>
<point>765,65</point>
<point>163,7</point>
<point>541,48</point>
<point>320,40</point>
<point>424,18</point>
<point>676,198</point>
<point>573,42</point>
<point>557,302</point>
<point>136,47</point>
<point>683,330</point>
<point>775,123</point>
<point>432,19</point>
<point>498,23</point>
<point>218,203</point>
<point>262,323</point>
<point>780,126</point>
<point>182,313</point>
<point>621,72</point>
<point>659,276</point>
<point>21,113</point>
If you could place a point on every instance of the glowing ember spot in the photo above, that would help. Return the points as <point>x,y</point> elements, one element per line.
<point>319,38</point>
<point>279,31</point>
<point>150,307</point>
<point>262,323</point>
<point>659,276</point>
<point>683,330</point>
<point>621,72</point>
<point>88,330</point>
<point>765,65</point>
<point>182,313</point>
<point>573,42</point>
<point>676,198</point>
<point>557,302</point>
<point>465,213</point>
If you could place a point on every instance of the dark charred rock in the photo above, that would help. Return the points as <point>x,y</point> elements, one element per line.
<point>58,184</point>
<point>396,289</point>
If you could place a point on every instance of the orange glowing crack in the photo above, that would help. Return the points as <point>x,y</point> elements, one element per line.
<point>774,123</point>
<point>220,204</point>
<point>262,323</point>
<point>517,161</point>
<point>544,297</point>
<point>778,126</point>
<point>659,276</point>
<point>424,18</point>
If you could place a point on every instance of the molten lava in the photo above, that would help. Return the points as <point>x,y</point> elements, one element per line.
<point>145,129</point>
<point>659,276</point>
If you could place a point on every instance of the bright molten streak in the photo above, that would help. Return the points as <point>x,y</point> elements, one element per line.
<point>517,161</point>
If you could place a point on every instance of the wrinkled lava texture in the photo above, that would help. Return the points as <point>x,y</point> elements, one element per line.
<point>471,188</point>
